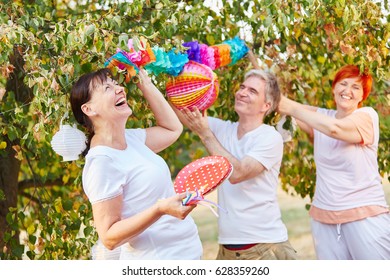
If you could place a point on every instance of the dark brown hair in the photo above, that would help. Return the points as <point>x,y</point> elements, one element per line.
<point>81,93</point>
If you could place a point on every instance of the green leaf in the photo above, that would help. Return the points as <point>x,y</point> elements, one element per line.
<point>90,29</point>
<point>32,239</point>
<point>321,59</point>
<point>122,41</point>
<point>87,67</point>
<point>67,204</point>
<point>31,229</point>
<point>58,205</point>
<point>3,145</point>
<point>10,218</point>
<point>70,39</point>
<point>88,230</point>
<point>18,250</point>
<point>30,255</point>
<point>210,39</point>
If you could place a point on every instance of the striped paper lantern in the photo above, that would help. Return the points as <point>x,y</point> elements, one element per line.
<point>196,86</point>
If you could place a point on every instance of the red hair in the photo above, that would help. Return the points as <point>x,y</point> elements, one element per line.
<point>352,71</point>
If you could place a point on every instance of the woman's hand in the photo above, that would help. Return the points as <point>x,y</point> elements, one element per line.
<point>173,206</point>
<point>285,106</point>
<point>168,127</point>
<point>144,80</point>
<point>253,59</point>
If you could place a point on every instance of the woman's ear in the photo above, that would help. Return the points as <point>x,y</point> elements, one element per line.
<point>87,110</point>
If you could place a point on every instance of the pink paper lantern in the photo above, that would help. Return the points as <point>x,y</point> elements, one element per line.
<point>196,86</point>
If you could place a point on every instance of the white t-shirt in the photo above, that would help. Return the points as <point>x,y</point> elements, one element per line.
<point>142,177</point>
<point>253,213</point>
<point>99,252</point>
<point>347,174</point>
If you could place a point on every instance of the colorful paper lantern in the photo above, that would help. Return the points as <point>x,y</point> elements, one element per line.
<point>204,174</point>
<point>201,177</point>
<point>196,86</point>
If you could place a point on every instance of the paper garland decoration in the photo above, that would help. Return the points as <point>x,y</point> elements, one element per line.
<point>122,61</point>
<point>228,52</point>
<point>158,61</point>
<point>192,82</point>
<point>132,60</point>
<point>171,63</point>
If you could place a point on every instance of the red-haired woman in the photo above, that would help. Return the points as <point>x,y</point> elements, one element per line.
<point>349,215</point>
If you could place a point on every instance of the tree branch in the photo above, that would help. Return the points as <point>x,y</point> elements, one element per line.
<point>30,197</point>
<point>30,183</point>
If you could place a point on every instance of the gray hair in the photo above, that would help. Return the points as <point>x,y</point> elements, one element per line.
<point>271,89</point>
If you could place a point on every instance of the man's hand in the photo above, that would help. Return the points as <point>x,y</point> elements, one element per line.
<point>195,120</point>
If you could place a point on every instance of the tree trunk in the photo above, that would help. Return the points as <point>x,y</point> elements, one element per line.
<point>9,171</point>
<point>9,165</point>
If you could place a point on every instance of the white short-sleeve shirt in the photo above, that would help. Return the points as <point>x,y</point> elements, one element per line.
<point>253,213</point>
<point>142,177</point>
<point>347,174</point>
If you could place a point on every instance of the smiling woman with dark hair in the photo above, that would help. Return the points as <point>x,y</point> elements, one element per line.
<point>129,186</point>
<point>350,216</point>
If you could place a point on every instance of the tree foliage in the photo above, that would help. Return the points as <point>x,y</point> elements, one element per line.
<point>46,45</point>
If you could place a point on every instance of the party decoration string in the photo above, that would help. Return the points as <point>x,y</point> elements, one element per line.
<point>192,82</point>
<point>157,60</point>
<point>198,198</point>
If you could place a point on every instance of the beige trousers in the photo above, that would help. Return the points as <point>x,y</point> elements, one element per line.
<point>261,251</point>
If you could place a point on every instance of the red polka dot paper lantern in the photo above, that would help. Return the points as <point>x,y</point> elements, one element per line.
<point>204,175</point>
